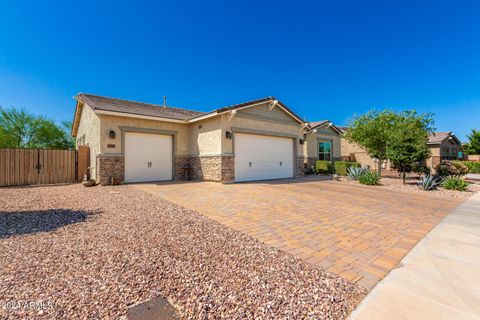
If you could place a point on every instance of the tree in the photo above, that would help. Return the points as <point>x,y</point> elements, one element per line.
<point>473,145</point>
<point>371,132</point>
<point>407,140</point>
<point>19,129</point>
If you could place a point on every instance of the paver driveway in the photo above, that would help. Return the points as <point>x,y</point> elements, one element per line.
<point>356,231</point>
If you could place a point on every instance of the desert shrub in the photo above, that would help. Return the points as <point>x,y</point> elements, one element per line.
<point>354,172</point>
<point>473,167</point>
<point>370,178</point>
<point>324,167</point>
<point>341,167</point>
<point>451,169</point>
<point>428,182</point>
<point>455,183</point>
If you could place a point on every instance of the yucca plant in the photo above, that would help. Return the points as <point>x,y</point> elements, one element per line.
<point>429,182</point>
<point>354,173</point>
<point>455,183</point>
<point>370,178</point>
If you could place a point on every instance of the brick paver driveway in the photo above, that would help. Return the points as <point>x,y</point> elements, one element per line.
<point>356,231</point>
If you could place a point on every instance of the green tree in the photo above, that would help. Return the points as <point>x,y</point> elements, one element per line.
<point>19,129</point>
<point>473,145</point>
<point>407,140</point>
<point>371,132</point>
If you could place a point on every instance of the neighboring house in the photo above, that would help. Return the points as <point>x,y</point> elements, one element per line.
<point>321,142</point>
<point>443,145</point>
<point>133,141</point>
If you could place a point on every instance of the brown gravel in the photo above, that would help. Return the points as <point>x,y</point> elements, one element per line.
<point>92,252</point>
<point>396,184</point>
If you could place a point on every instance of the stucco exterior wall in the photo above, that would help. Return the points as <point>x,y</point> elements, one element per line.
<point>107,123</point>
<point>310,147</point>
<point>353,152</point>
<point>89,128</point>
<point>206,137</point>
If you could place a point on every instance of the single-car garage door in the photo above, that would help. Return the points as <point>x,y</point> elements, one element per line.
<point>259,157</point>
<point>148,157</point>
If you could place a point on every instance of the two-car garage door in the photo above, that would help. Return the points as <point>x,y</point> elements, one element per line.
<point>148,157</point>
<point>260,157</point>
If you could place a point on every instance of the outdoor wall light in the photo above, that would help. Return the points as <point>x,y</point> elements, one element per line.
<point>228,134</point>
<point>301,141</point>
<point>112,134</point>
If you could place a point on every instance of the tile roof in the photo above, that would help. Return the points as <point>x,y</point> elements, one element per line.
<point>317,123</point>
<point>138,108</point>
<point>438,137</point>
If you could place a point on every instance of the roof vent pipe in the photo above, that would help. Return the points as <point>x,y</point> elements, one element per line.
<point>164,101</point>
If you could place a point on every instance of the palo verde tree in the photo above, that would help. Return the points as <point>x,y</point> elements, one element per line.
<point>473,144</point>
<point>371,132</point>
<point>19,129</point>
<point>407,140</point>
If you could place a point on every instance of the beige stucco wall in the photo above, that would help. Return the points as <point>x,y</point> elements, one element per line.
<point>310,148</point>
<point>358,154</point>
<point>259,119</point>
<point>89,126</point>
<point>108,122</point>
<point>206,137</point>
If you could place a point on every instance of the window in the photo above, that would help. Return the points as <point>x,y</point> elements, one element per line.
<point>325,150</point>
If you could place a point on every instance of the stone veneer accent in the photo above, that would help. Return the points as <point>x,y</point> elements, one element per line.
<point>215,168</point>
<point>228,168</point>
<point>300,167</point>
<point>110,169</point>
<point>179,163</point>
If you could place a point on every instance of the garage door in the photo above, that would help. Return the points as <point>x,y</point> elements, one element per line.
<point>148,157</point>
<point>259,157</point>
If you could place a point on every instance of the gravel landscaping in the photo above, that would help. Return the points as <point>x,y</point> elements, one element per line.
<point>396,184</point>
<point>92,252</point>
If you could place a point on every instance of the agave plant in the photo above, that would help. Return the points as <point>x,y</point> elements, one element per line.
<point>428,182</point>
<point>370,178</point>
<point>354,173</point>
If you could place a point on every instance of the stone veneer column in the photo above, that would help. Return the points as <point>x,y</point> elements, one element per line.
<point>300,167</point>
<point>110,169</point>
<point>179,164</point>
<point>206,168</point>
<point>228,169</point>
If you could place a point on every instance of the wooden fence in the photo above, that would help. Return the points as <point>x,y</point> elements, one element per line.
<point>39,166</point>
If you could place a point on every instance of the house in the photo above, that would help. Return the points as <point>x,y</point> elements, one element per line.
<point>322,141</point>
<point>443,146</point>
<point>133,141</point>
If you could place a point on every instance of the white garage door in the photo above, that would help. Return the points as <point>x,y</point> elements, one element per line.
<point>260,157</point>
<point>148,157</point>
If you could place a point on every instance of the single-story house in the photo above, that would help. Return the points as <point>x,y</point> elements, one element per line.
<point>443,146</point>
<point>133,141</point>
<point>322,142</point>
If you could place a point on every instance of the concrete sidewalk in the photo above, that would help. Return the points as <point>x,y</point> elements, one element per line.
<point>438,279</point>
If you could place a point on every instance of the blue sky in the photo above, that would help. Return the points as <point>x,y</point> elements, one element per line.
<point>324,59</point>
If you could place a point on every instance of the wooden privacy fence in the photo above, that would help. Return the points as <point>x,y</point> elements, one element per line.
<point>40,166</point>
